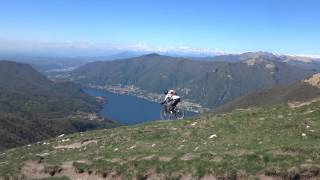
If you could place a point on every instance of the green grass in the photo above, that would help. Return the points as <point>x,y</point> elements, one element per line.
<point>263,141</point>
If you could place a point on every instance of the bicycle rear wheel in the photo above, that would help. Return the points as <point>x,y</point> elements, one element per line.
<point>179,113</point>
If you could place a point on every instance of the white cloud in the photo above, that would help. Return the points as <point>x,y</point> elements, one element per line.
<point>178,50</point>
<point>308,55</point>
<point>85,46</point>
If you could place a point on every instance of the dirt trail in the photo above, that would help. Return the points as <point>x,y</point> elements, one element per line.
<point>35,170</point>
<point>300,104</point>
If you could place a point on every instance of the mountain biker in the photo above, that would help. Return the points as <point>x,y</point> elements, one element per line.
<point>171,100</point>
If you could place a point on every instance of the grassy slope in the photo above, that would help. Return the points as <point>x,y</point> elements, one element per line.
<point>296,92</point>
<point>263,141</point>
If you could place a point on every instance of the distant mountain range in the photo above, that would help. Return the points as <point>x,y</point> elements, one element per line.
<point>51,64</point>
<point>48,64</point>
<point>210,83</point>
<point>33,108</point>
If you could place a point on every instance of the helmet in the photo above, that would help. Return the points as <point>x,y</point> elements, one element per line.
<point>171,92</point>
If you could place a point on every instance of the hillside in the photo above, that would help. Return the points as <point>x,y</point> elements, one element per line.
<point>33,108</point>
<point>209,83</point>
<point>279,142</point>
<point>294,94</point>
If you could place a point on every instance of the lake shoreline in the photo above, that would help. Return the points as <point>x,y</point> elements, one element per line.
<point>153,97</point>
<point>127,109</point>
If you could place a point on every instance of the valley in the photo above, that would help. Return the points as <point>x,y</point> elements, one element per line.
<point>203,84</point>
<point>160,90</point>
<point>154,97</point>
<point>265,128</point>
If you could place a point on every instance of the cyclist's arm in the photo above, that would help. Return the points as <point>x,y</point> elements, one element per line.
<point>167,98</point>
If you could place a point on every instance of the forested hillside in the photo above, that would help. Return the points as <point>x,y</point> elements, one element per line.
<point>34,108</point>
<point>210,83</point>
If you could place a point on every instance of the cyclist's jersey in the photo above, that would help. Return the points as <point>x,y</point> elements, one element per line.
<point>170,97</point>
<point>174,97</point>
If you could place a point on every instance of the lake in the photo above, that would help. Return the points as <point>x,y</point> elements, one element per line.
<point>127,109</point>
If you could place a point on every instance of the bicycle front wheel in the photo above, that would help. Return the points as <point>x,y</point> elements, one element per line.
<point>164,115</point>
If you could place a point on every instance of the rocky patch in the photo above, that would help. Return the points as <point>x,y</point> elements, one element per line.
<point>76,145</point>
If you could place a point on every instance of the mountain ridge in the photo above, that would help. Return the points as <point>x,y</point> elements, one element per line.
<point>210,83</point>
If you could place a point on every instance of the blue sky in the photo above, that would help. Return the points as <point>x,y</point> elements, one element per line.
<point>280,26</point>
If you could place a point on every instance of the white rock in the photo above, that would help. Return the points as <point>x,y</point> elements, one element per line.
<point>194,124</point>
<point>195,149</point>
<point>181,146</point>
<point>303,134</point>
<point>43,154</point>
<point>116,149</point>
<point>153,145</point>
<point>307,126</point>
<point>132,147</point>
<point>65,140</point>
<point>60,135</point>
<point>213,136</point>
<point>270,66</point>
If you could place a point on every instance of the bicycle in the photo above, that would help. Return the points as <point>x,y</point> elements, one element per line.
<point>176,113</point>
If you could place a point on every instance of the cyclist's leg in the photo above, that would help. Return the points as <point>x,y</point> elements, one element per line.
<point>165,107</point>
<point>169,106</point>
<point>175,103</point>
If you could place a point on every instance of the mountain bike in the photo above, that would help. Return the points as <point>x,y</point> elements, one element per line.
<point>176,113</point>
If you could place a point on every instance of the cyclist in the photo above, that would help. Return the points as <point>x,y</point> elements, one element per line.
<point>171,100</point>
